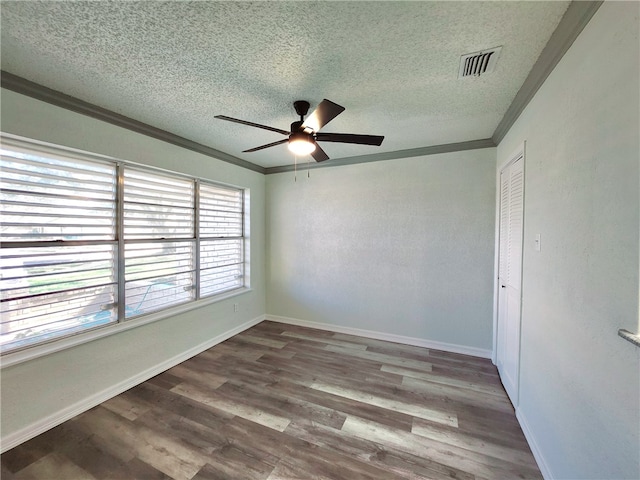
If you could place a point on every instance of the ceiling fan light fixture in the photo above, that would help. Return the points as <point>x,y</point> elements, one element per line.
<point>301,143</point>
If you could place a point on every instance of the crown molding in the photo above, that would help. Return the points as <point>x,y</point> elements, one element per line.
<point>397,154</point>
<point>54,97</point>
<point>571,24</point>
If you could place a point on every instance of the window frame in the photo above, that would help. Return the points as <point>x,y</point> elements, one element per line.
<point>123,322</point>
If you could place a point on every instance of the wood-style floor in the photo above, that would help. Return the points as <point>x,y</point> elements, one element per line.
<point>285,402</point>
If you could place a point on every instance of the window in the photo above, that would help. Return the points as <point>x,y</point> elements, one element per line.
<point>88,242</point>
<point>221,239</point>
<point>159,260</point>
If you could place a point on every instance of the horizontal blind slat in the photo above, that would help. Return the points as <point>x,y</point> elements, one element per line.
<point>16,175</point>
<point>35,161</point>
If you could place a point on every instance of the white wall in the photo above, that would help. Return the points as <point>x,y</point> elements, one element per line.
<point>403,247</point>
<point>579,383</point>
<point>38,390</point>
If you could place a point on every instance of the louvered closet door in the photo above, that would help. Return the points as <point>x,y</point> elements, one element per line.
<point>510,275</point>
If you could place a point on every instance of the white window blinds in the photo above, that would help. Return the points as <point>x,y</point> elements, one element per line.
<point>88,243</point>
<point>221,239</point>
<point>159,241</point>
<point>58,217</point>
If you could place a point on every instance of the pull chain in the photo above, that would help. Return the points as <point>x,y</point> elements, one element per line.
<point>295,168</point>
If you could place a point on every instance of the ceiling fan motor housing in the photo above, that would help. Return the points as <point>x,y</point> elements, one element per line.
<point>302,107</point>
<point>296,127</point>
<point>301,136</point>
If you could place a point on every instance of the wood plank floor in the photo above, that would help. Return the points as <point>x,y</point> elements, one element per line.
<point>286,402</point>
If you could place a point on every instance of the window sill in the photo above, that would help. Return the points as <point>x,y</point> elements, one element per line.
<point>31,353</point>
<point>631,337</point>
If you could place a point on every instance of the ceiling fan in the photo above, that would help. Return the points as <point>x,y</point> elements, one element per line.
<point>304,134</point>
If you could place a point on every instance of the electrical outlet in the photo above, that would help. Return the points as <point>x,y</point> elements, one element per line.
<point>235,307</point>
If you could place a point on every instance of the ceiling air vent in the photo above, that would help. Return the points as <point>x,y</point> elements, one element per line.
<point>478,63</point>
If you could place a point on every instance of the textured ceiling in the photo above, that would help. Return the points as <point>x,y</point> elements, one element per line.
<point>174,65</point>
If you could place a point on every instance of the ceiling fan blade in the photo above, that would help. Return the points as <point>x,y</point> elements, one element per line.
<point>350,138</point>
<point>319,155</point>
<point>279,142</point>
<point>251,124</point>
<point>323,114</point>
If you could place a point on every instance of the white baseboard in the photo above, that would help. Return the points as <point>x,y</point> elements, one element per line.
<point>16,438</point>
<point>389,337</point>
<point>535,449</point>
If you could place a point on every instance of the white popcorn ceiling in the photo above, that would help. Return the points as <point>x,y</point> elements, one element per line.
<point>174,65</point>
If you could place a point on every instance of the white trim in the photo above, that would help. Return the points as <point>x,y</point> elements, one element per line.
<point>16,438</point>
<point>496,269</point>
<point>389,337</point>
<point>57,345</point>
<point>535,449</point>
<point>517,154</point>
<point>520,151</point>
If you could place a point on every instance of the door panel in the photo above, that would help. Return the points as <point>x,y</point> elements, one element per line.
<point>510,275</point>
<point>502,267</point>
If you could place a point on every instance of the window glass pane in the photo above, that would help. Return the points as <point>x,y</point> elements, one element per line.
<point>221,242</point>
<point>48,292</point>
<point>221,265</point>
<point>158,275</point>
<point>157,206</point>
<point>50,198</point>
<point>220,211</point>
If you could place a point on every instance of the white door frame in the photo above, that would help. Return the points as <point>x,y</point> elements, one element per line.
<point>519,152</point>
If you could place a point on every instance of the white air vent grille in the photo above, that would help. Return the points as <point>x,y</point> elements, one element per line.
<point>478,63</point>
